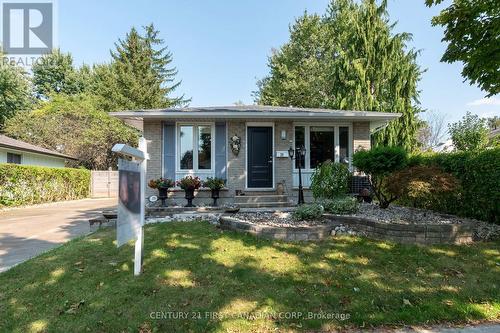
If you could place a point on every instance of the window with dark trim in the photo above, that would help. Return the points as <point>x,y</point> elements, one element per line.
<point>13,158</point>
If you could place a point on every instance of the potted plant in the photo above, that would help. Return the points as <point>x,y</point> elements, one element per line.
<point>189,184</point>
<point>162,185</point>
<point>215,184</point>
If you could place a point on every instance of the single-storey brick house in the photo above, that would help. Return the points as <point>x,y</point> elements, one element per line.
<point>248,145</point>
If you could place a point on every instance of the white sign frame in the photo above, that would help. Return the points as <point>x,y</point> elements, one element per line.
<point>141,156</point>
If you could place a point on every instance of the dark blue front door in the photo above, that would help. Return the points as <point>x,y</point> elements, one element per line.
<point>260,157</point>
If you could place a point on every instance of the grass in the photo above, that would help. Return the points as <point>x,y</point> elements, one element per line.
<point>223,281</point>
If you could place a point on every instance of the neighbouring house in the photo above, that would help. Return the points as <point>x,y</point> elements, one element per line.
<point>248,145</point>
<point>20,152</point>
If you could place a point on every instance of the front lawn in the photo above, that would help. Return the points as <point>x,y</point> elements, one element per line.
<point>223,281</point>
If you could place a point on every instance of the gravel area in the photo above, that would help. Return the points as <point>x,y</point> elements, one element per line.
<point>407,215</point>
<point>276,219</point>
<point>393,214</point>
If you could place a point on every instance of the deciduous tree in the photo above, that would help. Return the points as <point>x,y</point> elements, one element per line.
<point>470,133</point>
<point>472,30</point>
<point>54,73</point>
<point>15,91</point>
<point>74,126</point>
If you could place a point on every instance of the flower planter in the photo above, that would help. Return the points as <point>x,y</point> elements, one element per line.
<point>215,196</point>
<point>163,195</point>
<point>189,195</point>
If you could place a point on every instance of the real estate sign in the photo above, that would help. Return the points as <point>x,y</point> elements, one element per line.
<point>128,224</point>
<point>131,205</point>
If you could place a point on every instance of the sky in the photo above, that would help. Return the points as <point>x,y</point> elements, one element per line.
<point>220,47</point>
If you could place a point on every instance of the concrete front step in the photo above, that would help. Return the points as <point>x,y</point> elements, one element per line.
<point>263,204</point>
<point>260,198</point>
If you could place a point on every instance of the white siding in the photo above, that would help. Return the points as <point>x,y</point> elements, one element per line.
<point>33,159</point>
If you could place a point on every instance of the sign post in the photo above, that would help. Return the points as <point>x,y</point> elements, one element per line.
<point>132,198</point>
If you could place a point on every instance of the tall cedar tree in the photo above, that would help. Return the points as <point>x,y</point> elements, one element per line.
<point>141,73</point>
<point>348,59</point>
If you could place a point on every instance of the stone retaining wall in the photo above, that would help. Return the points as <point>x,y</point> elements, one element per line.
<point>401,233</point>
<point>407,233</point>
<point>282,233</point>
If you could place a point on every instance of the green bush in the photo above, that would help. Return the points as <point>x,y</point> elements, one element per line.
<point>308,212</point>
<point>378,163</point>
<point>27,185</point>
<point>330,180</point>
<point>341,205</point>
<point>479,175</point>
<point>424,186</point>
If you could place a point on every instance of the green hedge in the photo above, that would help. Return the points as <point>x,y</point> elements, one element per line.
<point>27,185</point>
<point>479,175</point>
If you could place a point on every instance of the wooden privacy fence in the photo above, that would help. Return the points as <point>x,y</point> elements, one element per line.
<point>104,184</point>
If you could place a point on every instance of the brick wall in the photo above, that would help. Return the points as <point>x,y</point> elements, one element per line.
<point>153,134</point>
<point>283,165</point>
<point>361,135</point>
<point>236,175</point>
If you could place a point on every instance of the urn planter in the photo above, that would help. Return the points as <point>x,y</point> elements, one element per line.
<point>163,195</point>
<point>215,196</point>
<point>189,195</point>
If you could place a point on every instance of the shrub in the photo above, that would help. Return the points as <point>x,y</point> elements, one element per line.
<point>330,180</point>
<point>341,205</point>
<point>421,186</point>
<point>27,185</point>
<point>308,212</point>
<point>479,175</point>
<point>378,163</point>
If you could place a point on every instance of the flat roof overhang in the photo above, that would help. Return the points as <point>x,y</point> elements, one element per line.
<point>376,119</point>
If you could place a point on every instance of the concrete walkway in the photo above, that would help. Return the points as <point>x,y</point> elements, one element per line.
<point>30,231</point>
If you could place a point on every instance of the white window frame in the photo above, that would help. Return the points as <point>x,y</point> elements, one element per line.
<point>307,138</point>
<point>195,126</point>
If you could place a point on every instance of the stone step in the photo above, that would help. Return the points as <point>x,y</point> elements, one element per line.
<point>260,198</point>
<point>263,204</point>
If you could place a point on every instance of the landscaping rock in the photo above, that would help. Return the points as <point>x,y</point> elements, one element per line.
<point>407,215</point>
<point>276,219</point>
<point>186,217</point>
<point>486,231</point>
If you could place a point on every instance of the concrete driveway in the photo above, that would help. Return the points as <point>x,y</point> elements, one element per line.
<point>28,232</point>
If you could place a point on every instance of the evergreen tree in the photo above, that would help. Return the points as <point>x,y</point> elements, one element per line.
<point>140,76</point>
<point>348,59</point>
